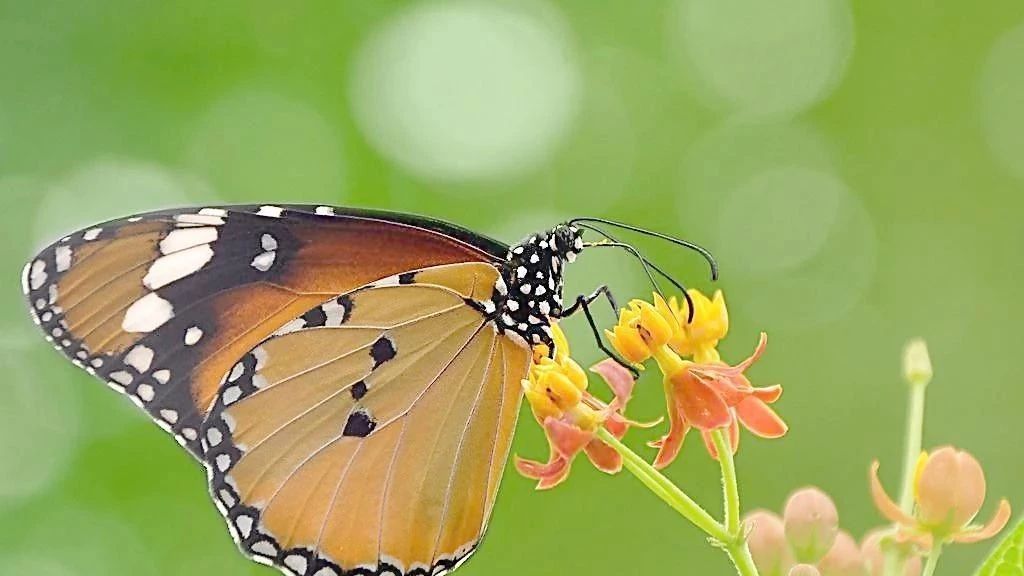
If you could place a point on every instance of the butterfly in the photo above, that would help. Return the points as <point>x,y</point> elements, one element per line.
<point>350,379</point>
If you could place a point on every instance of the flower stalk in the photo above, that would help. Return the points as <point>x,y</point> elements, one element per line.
<point>917,371</point>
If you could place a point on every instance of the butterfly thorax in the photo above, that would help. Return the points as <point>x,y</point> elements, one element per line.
<point>529,294</point>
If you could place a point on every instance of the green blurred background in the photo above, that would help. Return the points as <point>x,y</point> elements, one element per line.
<point>857,167</point>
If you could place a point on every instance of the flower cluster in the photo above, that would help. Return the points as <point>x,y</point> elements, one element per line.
<point>556,390</point>
<point>703,392</point>
<point>807,541</point>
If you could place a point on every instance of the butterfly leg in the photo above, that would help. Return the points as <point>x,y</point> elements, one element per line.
<point>601,290</point>
<point>583,303</point>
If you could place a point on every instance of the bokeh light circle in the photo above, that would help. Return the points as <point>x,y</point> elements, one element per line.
<point>467,90</point>
<point>766,58</point>
<point>1002,100</point>
<point>766,198</point>
<point>110,188</point>
<point>778,219</point>
<point>259,146</point>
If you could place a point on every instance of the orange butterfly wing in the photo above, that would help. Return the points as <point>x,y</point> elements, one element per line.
<point>371,441</point>
<point>162,305</point>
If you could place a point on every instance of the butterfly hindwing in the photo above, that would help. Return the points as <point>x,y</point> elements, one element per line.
<point>162,305</point>
<point>371,440</point>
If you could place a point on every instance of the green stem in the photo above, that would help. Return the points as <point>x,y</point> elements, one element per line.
<point>730,485</point>
<point>933,560</point>
<point>732,541</point>
<point>911,452</point>
<point>665,489</point>
<point>912,445</point>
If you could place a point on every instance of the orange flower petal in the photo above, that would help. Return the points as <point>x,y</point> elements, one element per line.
<point>669,445</point>
<point>701,405</point>
<point>993,527</point>
<point>549,474</point>
<point>603,457</point>
<point>884,503</point>
<point>768,394</point>
<point>619,380</point>
<point>760,419</point>
<point>565,439</point>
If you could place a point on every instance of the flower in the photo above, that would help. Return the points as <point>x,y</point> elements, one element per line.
<point>807,540</point>
<point>949,489</point>
<point>768,545</point>
<point>844,558</point>
<point>713,396</point>
<point>705,392</point>
<point>699,338</point>
<point>557,393</point>
<point>876,541</point>
<point>811,523</point>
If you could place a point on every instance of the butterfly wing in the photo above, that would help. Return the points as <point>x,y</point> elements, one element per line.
<point>373,441</point>
<point>162,305</point>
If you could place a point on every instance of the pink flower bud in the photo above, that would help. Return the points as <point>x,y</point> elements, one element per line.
<point>950,489</point>
<point>811,523</point>
<point>844,559</point>
<point>874,555</point>
<point>768,545</point>
<point>803,570</point>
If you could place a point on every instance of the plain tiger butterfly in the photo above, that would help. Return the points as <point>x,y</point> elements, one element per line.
<point>350,379</point>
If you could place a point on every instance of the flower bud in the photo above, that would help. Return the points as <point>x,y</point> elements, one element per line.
<point>768,545</point>
<point>949,488</point>
<point>917,366</point>
<point>844,559</point>
<point>803,570</point>
<point>873,549</point>
<point>811,522</point>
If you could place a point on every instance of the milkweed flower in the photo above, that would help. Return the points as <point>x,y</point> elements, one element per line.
<point>873,549</point>
<point>705,392</point>
<point>556,390</point>
<point>949,489</point>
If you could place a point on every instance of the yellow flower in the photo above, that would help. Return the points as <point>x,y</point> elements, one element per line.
<point>704,393</point>
<point>699,338</point>
<point>642,329</point>
<point>556,388</point>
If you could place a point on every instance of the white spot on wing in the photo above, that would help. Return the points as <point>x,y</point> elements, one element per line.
<point>146,392</point>
<point>193,335</point>
<point>183,238</point>
<point>271,211</point>
<point>63,258</point>
<point>264,261</point>
<point>147,314</point>
<point>325,210</point>
<point>213,212</point>
<point>162,376</point>
<point>37,276</point>
<point>140,358</point>
<point>178,265</point>
<point>92,234</point>
<point>297,563</point>
<point>199,219</point>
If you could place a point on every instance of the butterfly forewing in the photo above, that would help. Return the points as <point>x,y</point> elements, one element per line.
<point>371,441</point>
<point>162,305</point>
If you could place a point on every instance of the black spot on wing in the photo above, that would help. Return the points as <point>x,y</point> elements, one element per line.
<point>358,390</point>
<point>382,351</point>
<point>359,424</point>
<point>315,317</point>
<point>406,278</point>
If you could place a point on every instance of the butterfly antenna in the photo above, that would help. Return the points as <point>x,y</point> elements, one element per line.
<point>647,264</point>
<point>677,241</point>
